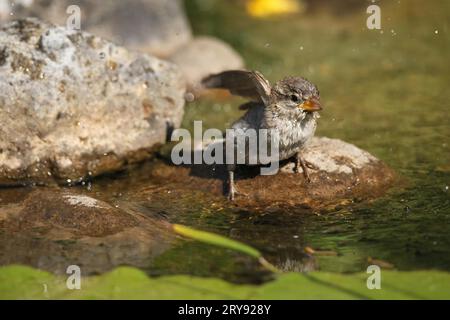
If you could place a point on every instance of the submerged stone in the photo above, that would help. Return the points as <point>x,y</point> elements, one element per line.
<point>52,229</point>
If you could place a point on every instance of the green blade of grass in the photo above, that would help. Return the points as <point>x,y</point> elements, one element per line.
<point>221,241</point>
<point>217,240</point>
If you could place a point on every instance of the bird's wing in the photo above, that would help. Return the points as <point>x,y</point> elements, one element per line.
<point>249,84</point>
<point>249,105</point>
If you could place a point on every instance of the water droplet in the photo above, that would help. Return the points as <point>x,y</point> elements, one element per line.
<point>189,97</point>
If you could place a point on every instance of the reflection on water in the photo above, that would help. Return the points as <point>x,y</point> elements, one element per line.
<point>408,228</point>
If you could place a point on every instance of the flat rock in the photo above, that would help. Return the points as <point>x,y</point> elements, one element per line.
<point>73,105</point>
<point>204,56</point>
<point>155,26</point>
<point>342,174</point>
<point>53,228</point>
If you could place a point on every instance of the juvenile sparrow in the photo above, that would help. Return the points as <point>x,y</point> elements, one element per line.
<point>290,107</point>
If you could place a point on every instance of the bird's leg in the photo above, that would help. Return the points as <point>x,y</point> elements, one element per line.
<point>300,162</point>
<point>231,186</point>
<point>232,189</point>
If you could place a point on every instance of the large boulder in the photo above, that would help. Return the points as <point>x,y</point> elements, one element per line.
<point>155,26</point>
<point>73,105</point>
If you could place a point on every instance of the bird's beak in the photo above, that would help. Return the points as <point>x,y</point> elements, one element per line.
<point>310,105</point>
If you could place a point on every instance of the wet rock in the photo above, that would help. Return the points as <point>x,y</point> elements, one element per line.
<point>204,56</point>
<point>342,174</point>
<point>154,26</point>
<point>73,105</point>
<point>52,229</point>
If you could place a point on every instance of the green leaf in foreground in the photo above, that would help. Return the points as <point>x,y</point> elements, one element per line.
<point>19,282</point>
<point>221,241</point>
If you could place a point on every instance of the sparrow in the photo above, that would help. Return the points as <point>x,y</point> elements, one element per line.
<point>290,106</point>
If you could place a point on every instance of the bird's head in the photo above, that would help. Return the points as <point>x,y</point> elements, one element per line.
<point>296,94</point>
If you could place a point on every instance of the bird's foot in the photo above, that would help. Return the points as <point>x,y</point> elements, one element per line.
<point>301,163</point>
<point>311,165</point>
<point>233,192</point>
<point>306,176</point>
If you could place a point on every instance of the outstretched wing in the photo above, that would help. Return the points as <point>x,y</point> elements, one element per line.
<point>249,84</point>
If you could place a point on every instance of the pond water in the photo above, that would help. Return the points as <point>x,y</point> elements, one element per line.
<point>386,92</point>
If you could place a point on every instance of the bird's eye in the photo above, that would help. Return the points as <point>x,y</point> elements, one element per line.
<point>294,98</point>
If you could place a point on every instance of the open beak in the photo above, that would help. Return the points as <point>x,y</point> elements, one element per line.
<point>311,105</point>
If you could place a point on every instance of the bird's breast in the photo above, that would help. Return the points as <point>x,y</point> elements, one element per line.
<point>294,135</point>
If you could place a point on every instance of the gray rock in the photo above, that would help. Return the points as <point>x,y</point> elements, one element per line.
<point>334,156</point>
<point>155,26</point>
<point>204,56</point>
<point>74,105</point>
<point>52,229</point>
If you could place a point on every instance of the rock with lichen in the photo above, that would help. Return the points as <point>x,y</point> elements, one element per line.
<point>73,105</point>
